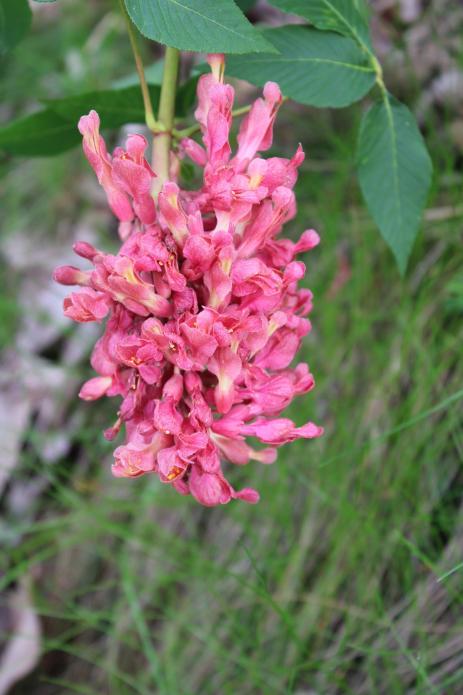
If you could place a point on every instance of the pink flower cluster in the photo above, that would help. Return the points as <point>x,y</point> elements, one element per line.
<point>205,315</point>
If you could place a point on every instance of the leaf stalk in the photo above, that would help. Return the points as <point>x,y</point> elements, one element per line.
<point>150,119</point>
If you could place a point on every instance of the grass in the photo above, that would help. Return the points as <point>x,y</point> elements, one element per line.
<point>346,578</point>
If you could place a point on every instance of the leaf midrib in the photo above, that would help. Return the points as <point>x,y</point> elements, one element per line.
<point>330,61</point>
<point>344,21</point>
<point>394,158</point>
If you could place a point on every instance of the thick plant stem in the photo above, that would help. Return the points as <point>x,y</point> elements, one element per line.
<point>149,114</point>
<point>163,138</point>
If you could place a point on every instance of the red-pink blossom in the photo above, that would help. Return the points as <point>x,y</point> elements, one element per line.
<point>205,312</point>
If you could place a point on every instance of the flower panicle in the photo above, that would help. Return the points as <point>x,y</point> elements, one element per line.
<point>202,306</point>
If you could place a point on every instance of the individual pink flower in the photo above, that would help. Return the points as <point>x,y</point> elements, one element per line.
<point>87,305</point>
<point>97,155</point>
<point>126,176</point>
<point>132,173</point>
<point>95,388</point>
<point>205,312</point>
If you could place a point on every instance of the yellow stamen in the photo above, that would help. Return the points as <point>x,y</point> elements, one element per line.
<point>175,472</point>
<point>255,180</point>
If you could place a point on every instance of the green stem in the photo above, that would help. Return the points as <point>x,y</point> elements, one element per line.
<point>149,114</point>
<point>376,65</point>
<point>163,138</point>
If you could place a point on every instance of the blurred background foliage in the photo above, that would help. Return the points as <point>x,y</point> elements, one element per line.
<point>346,578</point>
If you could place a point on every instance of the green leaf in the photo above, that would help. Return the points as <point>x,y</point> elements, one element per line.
<point>186,92</point>
<point>341,16</point>
<point>209,26</point>
<point>186,96</point>
<point>245,5</point>
<point>363,9</point>
<point>153,75</point>
<point>15,22</point>
<point>54,129</point>
<point>394,170</point>
<point>313,67</point>
<point>116,107</point>
<point>39,135</point>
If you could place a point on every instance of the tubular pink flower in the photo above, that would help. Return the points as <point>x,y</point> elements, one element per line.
<point>95,388</point>
<point>132,173</point>
<point>205,312</point>
<point>97,155</point>
<point>256,131</point>
<point>68,275</point>
<point>86,305</point>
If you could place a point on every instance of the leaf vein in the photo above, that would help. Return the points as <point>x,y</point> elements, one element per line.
<point>208,19</point>
<point>328,61</point>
